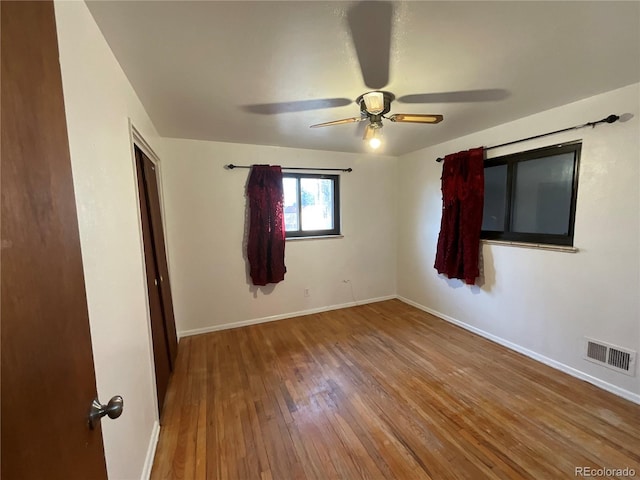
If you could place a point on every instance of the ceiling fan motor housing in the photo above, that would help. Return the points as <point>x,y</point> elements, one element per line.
<point>375,117</point>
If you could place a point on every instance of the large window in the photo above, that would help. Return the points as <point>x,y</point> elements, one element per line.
<point>531,196</point>
<point>311,204</point>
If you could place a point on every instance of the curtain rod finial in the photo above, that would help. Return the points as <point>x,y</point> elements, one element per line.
<point>439,159</point>
<point>612,118</point>
<point>231,166</point>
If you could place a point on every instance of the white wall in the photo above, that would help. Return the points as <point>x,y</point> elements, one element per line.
<point>543,301</point>
<point>205,212</point>
<point>99,101</point>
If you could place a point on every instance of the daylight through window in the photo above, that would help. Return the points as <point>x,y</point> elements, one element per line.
<point>311,205</point>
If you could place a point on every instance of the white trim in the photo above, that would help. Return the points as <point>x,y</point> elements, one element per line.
<point>539,246</point>
<point>316,237</point>
<point>136,139</point>
<point>151,452</point>
<point>273,318</point>
<point>621,392</point>
<point>139,140</point>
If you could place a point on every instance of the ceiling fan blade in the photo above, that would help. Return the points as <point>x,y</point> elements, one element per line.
<point>339,122</point>
<point>370,25</point>
<point>487,95</point>
<point>297,106</point>
<point>415,118</point>
<point>359,129</point>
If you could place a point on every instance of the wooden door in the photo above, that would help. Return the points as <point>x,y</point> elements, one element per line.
<point>48,380</point>
<point>163,329</point>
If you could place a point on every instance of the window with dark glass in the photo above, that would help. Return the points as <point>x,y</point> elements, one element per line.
<point>311,204</point>
<point>531,196</point>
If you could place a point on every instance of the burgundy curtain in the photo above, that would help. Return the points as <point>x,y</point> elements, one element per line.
<point>462,205</point>
<point>265,246</point>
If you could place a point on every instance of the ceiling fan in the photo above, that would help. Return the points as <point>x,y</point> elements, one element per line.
<point>370,24</point>
<point>373,107</point>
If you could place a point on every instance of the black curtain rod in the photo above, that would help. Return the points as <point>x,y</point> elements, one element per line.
<point>231,166</point>
<point>609,119</point>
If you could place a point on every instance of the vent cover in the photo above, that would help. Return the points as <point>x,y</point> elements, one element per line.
<point>611,356</point>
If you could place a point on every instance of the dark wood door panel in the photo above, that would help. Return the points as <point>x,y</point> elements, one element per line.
<point>48,380</point>
<point>162,361</point>
<point>153,197</point>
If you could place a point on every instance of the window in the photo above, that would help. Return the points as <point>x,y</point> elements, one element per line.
<point>311,204</point>
<point>531,196</point>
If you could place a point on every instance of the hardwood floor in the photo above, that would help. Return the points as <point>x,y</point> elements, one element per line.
<point>381,391</point>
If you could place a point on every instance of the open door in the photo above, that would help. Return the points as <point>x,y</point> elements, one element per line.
<point>48,379</point>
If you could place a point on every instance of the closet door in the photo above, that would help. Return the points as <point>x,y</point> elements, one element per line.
<point>163,329</point>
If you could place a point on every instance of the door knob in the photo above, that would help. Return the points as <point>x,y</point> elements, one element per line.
<point>113,409</point>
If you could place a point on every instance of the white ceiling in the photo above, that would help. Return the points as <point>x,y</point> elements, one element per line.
<point>199,66</point>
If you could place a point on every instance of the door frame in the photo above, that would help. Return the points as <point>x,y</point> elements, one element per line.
<point>138,140</point>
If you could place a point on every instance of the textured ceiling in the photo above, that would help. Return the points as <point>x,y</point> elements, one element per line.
<point>212,70</point>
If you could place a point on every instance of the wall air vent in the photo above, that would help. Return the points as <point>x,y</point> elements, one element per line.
<point>610,356</point>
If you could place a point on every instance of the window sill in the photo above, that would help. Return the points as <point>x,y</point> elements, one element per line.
<point>317,237</point>
<point>537,246</point>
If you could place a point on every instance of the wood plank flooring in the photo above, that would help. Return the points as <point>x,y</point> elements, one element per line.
<point>381,391</point>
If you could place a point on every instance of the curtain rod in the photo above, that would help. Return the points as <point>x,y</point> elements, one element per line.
<point>610,119</point>
<point>231,166</point>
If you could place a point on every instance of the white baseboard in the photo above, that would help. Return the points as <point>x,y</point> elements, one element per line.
<point>621,392</point>
<point>151,451</point>
<point>273,318</point>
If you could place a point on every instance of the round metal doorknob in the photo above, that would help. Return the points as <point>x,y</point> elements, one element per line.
<point>113,410</point>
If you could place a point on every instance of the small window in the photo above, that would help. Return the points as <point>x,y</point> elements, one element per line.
<point>531,196</point>
<point>311,204</point>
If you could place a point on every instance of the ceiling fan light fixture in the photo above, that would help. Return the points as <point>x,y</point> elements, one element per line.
<point>375,143</point>
<point>374,102</point>
<point>373,135</point>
